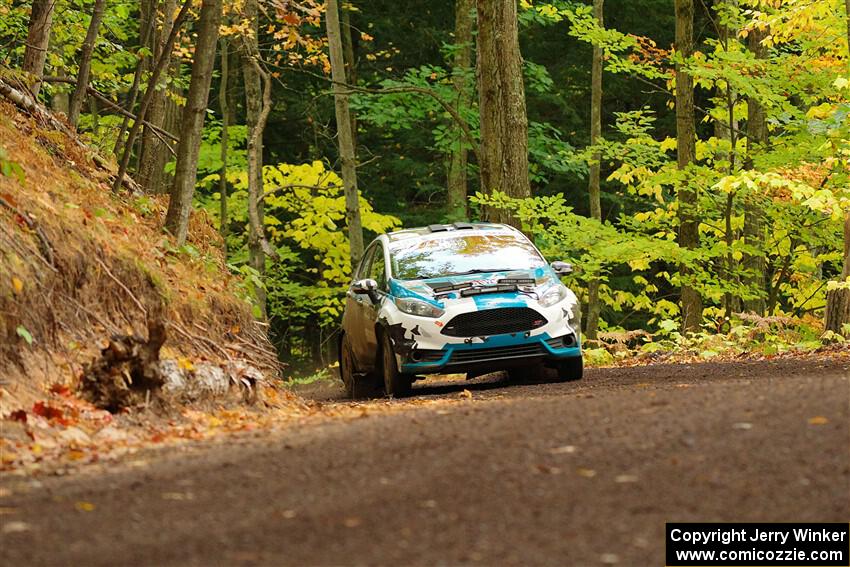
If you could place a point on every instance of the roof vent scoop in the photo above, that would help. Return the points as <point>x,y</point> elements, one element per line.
<point>438,228</point>
<point>462,225</point>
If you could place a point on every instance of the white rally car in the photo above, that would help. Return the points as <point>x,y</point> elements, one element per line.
<point>465,297</point>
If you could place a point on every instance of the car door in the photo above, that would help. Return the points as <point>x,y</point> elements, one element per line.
<point>371,310</point>
<point>353,318</point>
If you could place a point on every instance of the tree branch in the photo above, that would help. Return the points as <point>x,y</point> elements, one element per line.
<point>114,106</point>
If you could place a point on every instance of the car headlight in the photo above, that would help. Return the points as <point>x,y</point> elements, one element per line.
<point>554,295</point>
<point>418,307</point>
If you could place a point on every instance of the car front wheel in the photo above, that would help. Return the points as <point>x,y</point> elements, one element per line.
<point>356,385</point>
<point>396,384</point>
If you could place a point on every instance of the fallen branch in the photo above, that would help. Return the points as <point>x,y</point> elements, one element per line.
<point>27,103</point>
<point>114,106</point>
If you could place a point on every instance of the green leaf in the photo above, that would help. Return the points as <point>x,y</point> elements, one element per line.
<point>24,334</point>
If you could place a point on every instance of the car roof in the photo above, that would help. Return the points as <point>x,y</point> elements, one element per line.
<point>458,227</point>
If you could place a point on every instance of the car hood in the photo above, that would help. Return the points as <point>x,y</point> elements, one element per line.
<point>543,278</point>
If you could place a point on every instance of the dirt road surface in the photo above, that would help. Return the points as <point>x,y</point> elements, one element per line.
<point>545,474</point>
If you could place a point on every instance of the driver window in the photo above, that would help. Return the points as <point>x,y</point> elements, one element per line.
<point>378,271</point>
<point>363,268</point>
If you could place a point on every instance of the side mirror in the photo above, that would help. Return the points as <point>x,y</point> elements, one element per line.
<point>367,286</point>
<point>562,268</point>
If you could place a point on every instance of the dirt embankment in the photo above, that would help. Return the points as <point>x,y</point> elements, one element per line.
<point>87,277</point>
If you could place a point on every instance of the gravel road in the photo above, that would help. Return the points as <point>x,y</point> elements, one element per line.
<point>544,474</point>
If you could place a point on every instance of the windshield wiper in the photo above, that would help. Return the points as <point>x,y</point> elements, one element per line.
<point>476,271</point>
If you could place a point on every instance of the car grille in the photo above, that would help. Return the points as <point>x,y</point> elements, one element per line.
<point>494,322</point>
<point>498,353</point>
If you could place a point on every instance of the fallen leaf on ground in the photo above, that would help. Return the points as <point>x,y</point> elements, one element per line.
<point>84,506</point>
<point>818,420</point>
<point>15,527</point>
<point>586,473</point>
<point>178,496</point>
<point>563,450</point>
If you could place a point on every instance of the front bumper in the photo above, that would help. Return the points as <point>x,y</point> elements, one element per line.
<point>499,352</point>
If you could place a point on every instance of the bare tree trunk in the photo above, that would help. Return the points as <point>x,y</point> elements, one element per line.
<point>350,62</point>
<point>180,204</point>
<point>461,66</point>
<point>504,124</point>
<point>753,214</point>
<point>154,153</point>
<point>146,27</point>
<point>225,138</point>
<point>150,92</point>
<point>257,105</point>
<point>593,307</point>
<point>727,130</point>
<point>61,101</point>
<point>38,40</point>
<point>686,150</point>
<point>838,301</point>
<point>85,62</point>
<point>344,134</point>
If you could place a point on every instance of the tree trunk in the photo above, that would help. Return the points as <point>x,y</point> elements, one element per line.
<point>38,39</point>
<point>225,138</point>
<point>350,62</point>
<point>504,124</point>
<point>61,100</point>
<point>85,62</point>
<point>461,66</point>
<point>180,204</point>
<point>150,92</point>
<point>838,301</point>
<point>147,23</point>
<point>155,153</point>
<point>727,130</point>
<point>257,105</point>
<point>344,135</point>
<point>753,216</point>
<point>686,150</point>
<point>593,307</point>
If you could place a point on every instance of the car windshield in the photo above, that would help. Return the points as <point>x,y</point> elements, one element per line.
<point>442,255</point>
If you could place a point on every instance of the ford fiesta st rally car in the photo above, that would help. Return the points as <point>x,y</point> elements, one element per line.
<point>463,298</point>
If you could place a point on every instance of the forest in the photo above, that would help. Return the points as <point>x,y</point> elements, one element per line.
<point>689,156</point>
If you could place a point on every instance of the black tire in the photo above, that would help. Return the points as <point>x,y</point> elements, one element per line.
<point>529,374</point>
<point>396,384</point>
<point>356,385</point>
<point>571,369</point>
